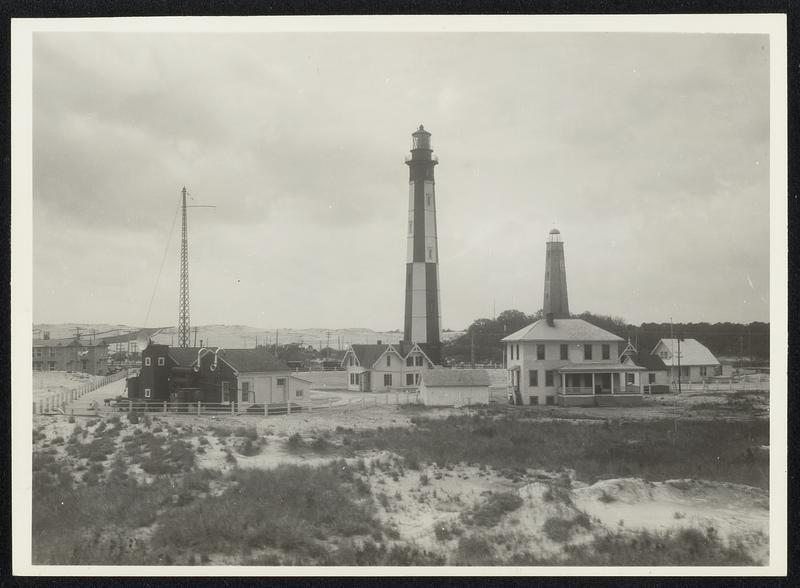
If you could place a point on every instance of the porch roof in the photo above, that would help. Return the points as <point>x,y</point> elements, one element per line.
<point>598,368</point>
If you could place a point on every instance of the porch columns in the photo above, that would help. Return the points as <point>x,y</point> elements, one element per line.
<point>611,377</point>
<point>594,390</point>
<point>563,383</point>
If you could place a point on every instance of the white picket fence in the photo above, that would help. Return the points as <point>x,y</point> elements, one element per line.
<point>59,401</point>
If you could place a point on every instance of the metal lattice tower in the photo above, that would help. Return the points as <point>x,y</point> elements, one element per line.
<point>183,296</point>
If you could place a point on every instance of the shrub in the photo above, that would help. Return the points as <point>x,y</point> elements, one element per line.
<point>301,504</point>
<point>71,419</point>
<point>57,440</point>
<point>561,530</point>
<point>489,513</point>
<point>295,442</point>
<point>474,550</point>
<point>445,531</point>
<point>134,417</point>
<point>606,497</point>
<point>423,479</point>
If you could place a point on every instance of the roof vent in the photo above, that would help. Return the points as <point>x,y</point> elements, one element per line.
<point>380,342</point>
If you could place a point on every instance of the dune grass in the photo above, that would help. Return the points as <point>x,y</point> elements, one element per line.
<point>714,450</point>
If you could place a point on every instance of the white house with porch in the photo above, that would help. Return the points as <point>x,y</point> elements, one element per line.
<point>570,362</point>
<point>385,366</point>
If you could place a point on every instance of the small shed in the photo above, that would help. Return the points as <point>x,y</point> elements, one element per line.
<point>454,387</point>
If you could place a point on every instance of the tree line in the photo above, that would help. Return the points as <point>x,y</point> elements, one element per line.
<point>481,341</point>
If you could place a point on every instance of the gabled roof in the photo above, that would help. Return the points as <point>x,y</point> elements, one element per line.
<point>368,354</point>
<point>454,377</point>
<point>649,362</point>
<point>562,330</point>
<point>692,352</point>
<point>242,360</point>
<point>67,342</point>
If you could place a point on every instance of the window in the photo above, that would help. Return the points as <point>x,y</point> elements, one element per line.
<point>684,371</point>
<point>417,378</point>
<point>246,391</point>
<point>703,371</point>
<point>352,379</point>
<point>409,361</point>
<point>387,379</point>
<point>226,392</point>
<point>564,351</point>
<point>430,252</point>
<point>587,351</point>
<point>298,394</point>
<point>533,400</point>
<point>147,392</point>
<point>548,378</point>
<point>418,360</point>
<point>146,361</point>
<point>533,378</point>
<point>52,352</point>
<point>409,379</point>
<point>663,354</point>
<point>651,378</point>
<point>281,381</point>
<point>606,351</point>
<point>410,227</point>
<point>37,365</point>
<point>540,351</point>
<point>629,380</point>
<point>160,361</point>
<point>550,400</point>
<point>388,361</point>
<point>52,366</point>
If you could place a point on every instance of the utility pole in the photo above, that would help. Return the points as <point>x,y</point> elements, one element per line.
<point>195,337</point>
<point>472,348</point>
<point>276,341</point>
<point>679,364</point>
<point>671,351</point>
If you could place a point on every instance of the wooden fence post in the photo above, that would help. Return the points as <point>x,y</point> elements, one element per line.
<point>165,406</point>
<point>288,407</point>
<point>231,408</point>
<point>330,402</point>
<point>198,408</point>
<point>266,405</point>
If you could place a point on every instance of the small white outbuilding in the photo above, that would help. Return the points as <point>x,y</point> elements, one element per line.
<point>454,387</point>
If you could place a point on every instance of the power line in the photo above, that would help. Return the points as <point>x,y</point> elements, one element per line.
<point>163,260</point>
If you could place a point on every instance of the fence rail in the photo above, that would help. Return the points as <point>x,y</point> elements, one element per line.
<point>59,401</point>
<point>313,405</point>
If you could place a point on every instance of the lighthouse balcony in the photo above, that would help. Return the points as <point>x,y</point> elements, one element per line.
<point>418,156</point>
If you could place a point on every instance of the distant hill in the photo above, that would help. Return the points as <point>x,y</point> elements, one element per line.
<point>241,336</point>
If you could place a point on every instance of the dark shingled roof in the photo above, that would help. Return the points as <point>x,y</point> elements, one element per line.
<point>452,377</point>
<point>367,355</point>
<point>649,362</point>
<point>242,360</point>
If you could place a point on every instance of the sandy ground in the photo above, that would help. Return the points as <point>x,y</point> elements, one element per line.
<point>416,502</point>
<point>47,383</point>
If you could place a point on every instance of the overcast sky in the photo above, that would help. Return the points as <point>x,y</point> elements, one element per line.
<point>649,152</point>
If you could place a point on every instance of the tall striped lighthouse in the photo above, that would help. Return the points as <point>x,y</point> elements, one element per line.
<point>423,311</point>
